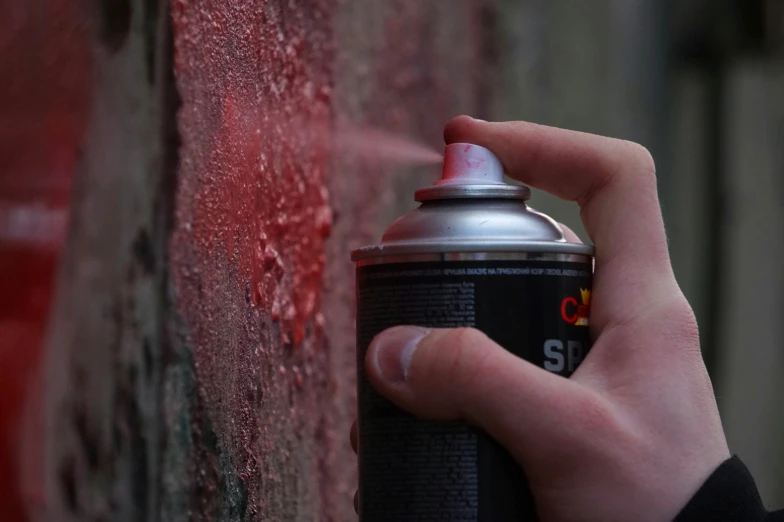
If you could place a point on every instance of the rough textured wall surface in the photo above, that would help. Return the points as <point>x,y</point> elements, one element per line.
<point>248,253</point>
<point>266,215</point>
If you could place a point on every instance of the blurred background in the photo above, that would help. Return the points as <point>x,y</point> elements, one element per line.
<point>701,84</point>
<point>176,324</point>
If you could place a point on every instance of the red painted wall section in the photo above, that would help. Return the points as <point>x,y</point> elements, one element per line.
<point>248,251</point>
<point>267,213</point>
<point>45,67</point>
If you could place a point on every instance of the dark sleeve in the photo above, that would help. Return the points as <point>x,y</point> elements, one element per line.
<point>729,495</point>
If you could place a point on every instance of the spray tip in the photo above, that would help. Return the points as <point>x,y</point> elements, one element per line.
<point>469,164</point>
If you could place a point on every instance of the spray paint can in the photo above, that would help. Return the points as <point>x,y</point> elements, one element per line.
<point>473,254</point>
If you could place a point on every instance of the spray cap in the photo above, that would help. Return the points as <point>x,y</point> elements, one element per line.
<point>471,171</point>
<point>469,164</point>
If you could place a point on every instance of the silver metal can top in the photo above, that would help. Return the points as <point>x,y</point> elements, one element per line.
<point>471,209</point>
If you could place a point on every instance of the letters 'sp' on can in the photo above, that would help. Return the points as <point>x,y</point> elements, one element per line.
<point>473,254</point>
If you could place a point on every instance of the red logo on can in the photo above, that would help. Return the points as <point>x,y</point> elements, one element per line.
<point>577,313</point>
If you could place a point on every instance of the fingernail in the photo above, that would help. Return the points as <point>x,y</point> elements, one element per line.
<point>394,349</point>
<point>478,119</point>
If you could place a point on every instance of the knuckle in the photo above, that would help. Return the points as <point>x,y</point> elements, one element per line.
<point>628,163</point>
<point>452,366</point>
<point>591,417</point>
<point>589,413</point>
<point>669,324</point>
<point>640,158</point>
<point>466,337</point>
<point>459,358</point>
<point>682,324</point>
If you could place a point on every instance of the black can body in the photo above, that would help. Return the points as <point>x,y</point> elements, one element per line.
<point>533,304</point>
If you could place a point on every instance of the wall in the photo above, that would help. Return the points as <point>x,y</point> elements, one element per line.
<point>200,354</point>
<point>266,216</point>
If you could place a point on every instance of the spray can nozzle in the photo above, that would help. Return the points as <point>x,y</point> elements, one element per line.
<point>469,164</point>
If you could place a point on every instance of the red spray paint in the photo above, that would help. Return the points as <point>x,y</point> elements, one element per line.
<point>252,218</point>
<point>369,143</point>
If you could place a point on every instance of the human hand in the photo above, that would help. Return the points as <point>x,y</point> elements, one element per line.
<point>635,431</point>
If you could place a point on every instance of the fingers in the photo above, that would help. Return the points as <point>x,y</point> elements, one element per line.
<point>571,237</point>
<point>614,183</point>
<point>462,374</point>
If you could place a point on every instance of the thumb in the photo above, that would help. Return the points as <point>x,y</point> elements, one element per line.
<point>461,374</point>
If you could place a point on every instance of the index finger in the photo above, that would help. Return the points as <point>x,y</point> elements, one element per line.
<point>614,183</point>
